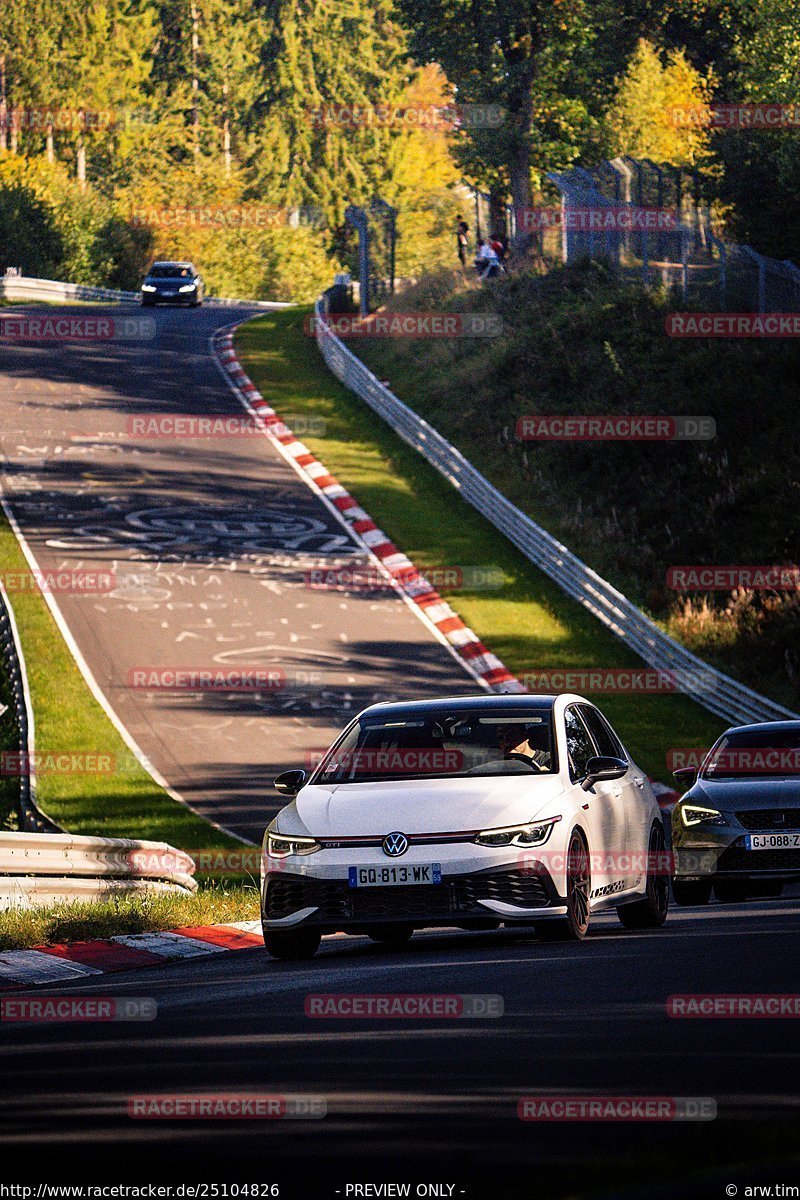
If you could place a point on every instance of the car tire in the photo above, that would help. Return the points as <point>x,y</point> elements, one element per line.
<point>392,935</point>
<point>650,912</point>
<point>292,945</point>
<point>575,925</point>
<point>730,891</point>
<point>691,893</point>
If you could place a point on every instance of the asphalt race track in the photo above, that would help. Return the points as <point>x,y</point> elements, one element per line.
<point>432,1099</point>
<point>209,543</point>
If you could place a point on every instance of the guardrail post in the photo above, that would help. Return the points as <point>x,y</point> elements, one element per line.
<point>360,221</point>
<point>31,816</point>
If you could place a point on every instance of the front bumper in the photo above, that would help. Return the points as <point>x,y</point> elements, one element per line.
<point>169,298</point>
<point>492,895</point>
<point>721,852</point>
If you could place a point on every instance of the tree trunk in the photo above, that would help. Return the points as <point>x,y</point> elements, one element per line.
<point>226,131</point>
<point>195,87</point>
<point>51,151</point>
<point>498,225</point>
<point>81,162</point>
<point>519,163</point>
<point>3,105</point>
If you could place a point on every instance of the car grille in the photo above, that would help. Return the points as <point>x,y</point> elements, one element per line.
<point>738,859</point>
<point>454,897</point>
<point>770,818</point>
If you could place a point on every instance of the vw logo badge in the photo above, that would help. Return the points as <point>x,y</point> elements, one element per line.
<point>395,844</point>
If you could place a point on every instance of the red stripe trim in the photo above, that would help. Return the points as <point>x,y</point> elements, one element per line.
<point>106,956</point>
<point>222,935</point>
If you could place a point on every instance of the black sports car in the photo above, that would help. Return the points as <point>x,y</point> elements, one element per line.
<point>737,829</point>
<point>173,283</point>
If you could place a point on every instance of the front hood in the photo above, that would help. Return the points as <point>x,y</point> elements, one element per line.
<point>729,795</point>
<point>168,284</point>
<point>420,806</point>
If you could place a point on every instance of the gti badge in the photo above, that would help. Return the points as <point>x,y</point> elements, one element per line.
<point>395,844</point>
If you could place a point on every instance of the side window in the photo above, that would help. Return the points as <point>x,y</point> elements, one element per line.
<point>605,739</point>
<point>580,746</point>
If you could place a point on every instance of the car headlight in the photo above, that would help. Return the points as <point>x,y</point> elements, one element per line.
<point>148,287</point>
<point>187,287</point>
<point>280,846</point>
<point>534,834</point>
<point>693,814</point>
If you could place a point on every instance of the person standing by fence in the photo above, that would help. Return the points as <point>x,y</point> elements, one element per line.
<point>462,240</point>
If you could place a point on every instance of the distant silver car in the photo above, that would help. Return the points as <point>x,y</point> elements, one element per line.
<point>173,283</point>
<point>737,829</point>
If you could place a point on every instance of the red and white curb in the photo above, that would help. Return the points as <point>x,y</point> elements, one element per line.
<point>477,659</point>
<point>126,952</point>
<point>474,656</point>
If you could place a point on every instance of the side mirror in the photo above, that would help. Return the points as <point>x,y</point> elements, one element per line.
<point>603,767</point>
<point>290,782</point>
<point>686,775</point>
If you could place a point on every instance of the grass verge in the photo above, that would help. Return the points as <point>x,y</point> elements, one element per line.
<point>528,621</point>
<point>125,803</point>
<point>580,341</point>
<point>211,905</point>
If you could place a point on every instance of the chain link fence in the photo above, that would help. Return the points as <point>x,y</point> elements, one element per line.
<point>377,251</point>
<point>654,222</point>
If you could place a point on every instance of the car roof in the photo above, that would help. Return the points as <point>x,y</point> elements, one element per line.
<point>518,701</point>
<point>761,726</point>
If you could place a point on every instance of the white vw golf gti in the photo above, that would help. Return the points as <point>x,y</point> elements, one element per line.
<point>472,812</point>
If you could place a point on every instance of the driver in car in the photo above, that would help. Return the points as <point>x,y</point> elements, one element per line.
<point>523,750</point>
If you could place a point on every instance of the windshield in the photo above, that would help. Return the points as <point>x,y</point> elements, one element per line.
<point>170,271</point>
<point>446,745</point>
<point>759,753</point>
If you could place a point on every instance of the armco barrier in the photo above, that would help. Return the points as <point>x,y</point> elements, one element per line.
<point>717,692</point>
<point>31,816</point>
<point>42,868</point>
<point>19,289</point>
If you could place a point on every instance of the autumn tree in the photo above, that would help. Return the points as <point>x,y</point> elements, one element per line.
<point>661,108</point>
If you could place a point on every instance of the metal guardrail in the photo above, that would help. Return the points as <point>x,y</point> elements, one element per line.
<point>13,659</point>
<point>43,868</point>
<point>19,288</point>
<point>720,694</point>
